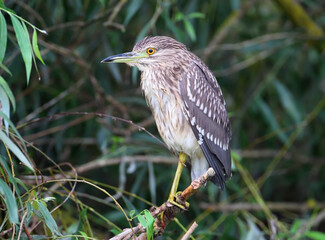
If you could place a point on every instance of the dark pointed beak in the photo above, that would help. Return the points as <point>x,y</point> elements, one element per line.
<point>127,57</point>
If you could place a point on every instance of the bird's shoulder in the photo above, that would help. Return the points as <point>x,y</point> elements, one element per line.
<point>202,93</point>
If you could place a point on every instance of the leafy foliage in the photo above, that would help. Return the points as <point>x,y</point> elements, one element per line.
<point>82,171</point>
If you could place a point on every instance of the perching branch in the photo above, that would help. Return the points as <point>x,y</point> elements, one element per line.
<point>167,211</point>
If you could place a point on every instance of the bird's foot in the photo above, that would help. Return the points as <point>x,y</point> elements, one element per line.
<point>178,201</point>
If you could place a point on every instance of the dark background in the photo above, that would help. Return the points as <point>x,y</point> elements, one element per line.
<point>270,67</point>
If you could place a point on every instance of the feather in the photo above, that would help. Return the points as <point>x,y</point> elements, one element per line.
<point>212,127</point>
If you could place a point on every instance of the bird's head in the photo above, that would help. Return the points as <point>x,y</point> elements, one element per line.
<point>150,52</point>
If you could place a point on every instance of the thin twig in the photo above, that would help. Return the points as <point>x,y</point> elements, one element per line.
<point>21,225</point>
<point>53,101</point>
<point>190,231</point>
<point>91,165</point>
<point>115,12</point>
<point>252,60</point>
<point>102,115</point>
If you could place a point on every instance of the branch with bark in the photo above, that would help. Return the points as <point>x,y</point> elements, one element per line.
<point>164,214</point>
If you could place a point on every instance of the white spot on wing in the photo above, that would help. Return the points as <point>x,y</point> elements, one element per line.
<point>200,139</point>
<point>193,121</point>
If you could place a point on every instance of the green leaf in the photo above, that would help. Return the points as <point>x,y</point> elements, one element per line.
<point>2,6</point>
<point>30,46</point>
<point>10,202</point>
<point>133,7</point>
<point>196,15</point>
<point>150,221</point>
<point>15,150</point>
<point>144,31</point>
<point>48,199</point>
<point>5,106</point>
<point>8,91</point>
<point>189,29</point>
<point>21,184</point>
<point>296,226</point>
<point>12,179</point>
<point>49,220</point>
<point>29,210</point>
<point>35,47</point>
<point>142,220</point>
<point>314,235</point>
<point>13,128</point>
<point>132,212</point>
<point>115,231</point>
<point>179,16</point>
<point>5,68</point>
<point>102,2</point>
<point>83,234</point>
<point>270,119</point>
<point>3,37</point>
<point>287,101</point>
<point>24,44</point>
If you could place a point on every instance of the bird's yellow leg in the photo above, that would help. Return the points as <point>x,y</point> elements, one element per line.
<point>180,166</point>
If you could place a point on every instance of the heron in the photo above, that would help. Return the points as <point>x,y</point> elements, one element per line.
<point>187,104</point>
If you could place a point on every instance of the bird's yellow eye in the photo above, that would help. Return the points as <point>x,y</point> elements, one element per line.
<point>150,51</point>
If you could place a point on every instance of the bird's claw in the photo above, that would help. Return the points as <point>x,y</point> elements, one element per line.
<point>179,202</point>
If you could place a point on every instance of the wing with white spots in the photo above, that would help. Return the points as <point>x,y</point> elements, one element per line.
<point>207,114</point>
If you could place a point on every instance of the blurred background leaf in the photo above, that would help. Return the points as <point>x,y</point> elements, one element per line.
<point>270,67</point>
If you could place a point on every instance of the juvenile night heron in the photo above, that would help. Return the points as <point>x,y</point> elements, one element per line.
<point>187,104</point>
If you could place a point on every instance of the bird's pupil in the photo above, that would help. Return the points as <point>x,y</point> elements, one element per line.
<point>150,50</point>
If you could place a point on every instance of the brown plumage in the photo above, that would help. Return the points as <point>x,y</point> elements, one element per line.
<point>186,102</point>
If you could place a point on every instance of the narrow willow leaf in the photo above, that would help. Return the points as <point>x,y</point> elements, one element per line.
<point>288,101</point>
<point>5,68</point>
<point>10,202</point>
<point>179,16</point>
<point>189,29</point>
<point>49,220</point>
<point>5,106</point>
<point>3,37</point>
<point>24,44</point>
<point>270,119</point>
<point>150,221</point>
<point>314,235</point>
<point>142,220</point>
<point>29,209</point>
<point>30,46</point>
<point>3,7</point>
<point>12,179</point>
<point>144,31</point>
<point>171,25</point>
<point>21,184</point>
<point>132,212</point>
<point>196,15</point>
<point>133,7</point>
<point>8,91</point>
<point>13,128</point>
<point>83,234</point>
<point>15,150</point>
<point>35,47</point>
